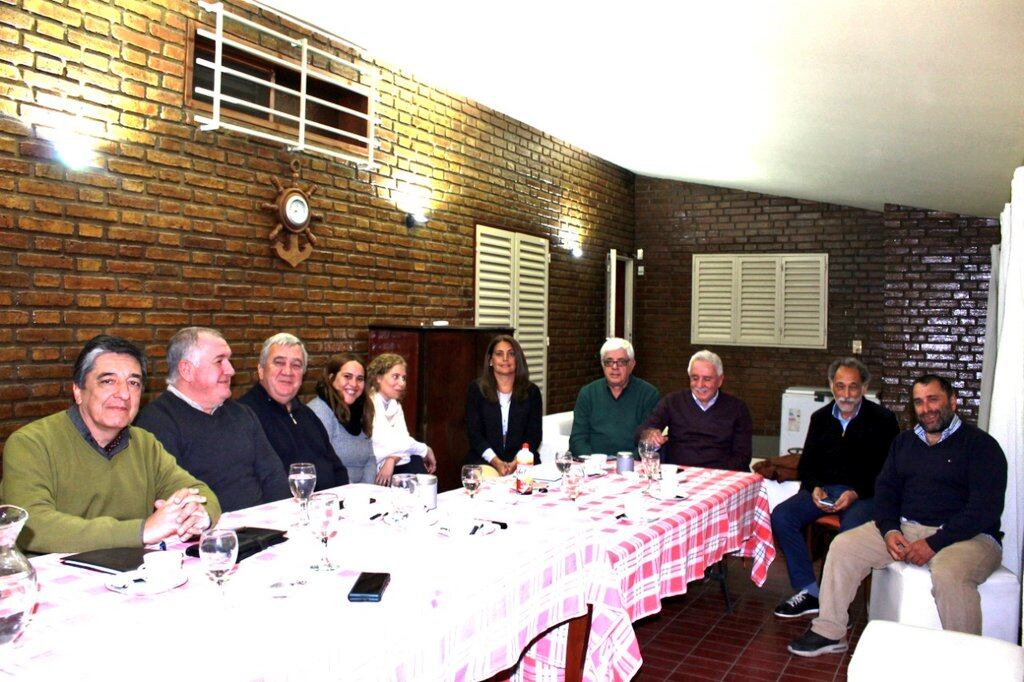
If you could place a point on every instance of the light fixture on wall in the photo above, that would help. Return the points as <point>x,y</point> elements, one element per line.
<point>415,220</point>
<point>570,241</point>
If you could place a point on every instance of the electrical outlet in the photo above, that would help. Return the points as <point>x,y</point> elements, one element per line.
<point>639,271</point>
<point>858,347</point>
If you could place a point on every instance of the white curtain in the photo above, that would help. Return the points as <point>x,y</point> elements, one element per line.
<point>1006,407</point>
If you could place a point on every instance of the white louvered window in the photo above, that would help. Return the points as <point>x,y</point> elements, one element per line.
<point>760,300</point>
<point>512,289</point>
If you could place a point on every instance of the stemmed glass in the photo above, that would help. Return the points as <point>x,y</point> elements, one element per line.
<point>407,500</point>
<point>472,478</point>
<point>573,481</point>
<point>650,460</point>
<point>323,508</point>
<point>302,481</point>
<point>218,551</point>
<point>563,460</point>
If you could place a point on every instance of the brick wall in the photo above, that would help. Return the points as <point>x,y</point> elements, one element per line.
<point>910,285</point>
<point>938,267</point>
<point>168,230</point>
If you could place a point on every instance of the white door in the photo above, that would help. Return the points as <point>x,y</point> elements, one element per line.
<point>619,310</point>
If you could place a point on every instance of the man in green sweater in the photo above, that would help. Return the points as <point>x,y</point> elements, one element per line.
<point>608,410</point>
<point>90,480</point>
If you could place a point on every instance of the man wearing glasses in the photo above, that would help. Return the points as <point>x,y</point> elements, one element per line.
<point>608,410</point>
<point>707,427</point>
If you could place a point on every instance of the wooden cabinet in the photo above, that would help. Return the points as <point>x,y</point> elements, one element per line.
<point>441,361</point>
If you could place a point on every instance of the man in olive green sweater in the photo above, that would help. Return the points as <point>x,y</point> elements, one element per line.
<point>88,479</point>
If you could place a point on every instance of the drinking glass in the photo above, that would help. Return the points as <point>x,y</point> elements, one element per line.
<point>218,551</point>
<point>302,481</point>
<point>563,460</point>
<point>472,478</point>
<point>323,509</point>
<point>573,481</point>
<point>406,500</point>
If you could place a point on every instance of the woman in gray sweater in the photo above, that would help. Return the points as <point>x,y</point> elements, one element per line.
<point>341,405</point>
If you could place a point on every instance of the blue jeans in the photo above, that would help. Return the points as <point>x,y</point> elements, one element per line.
<point>789,519</point>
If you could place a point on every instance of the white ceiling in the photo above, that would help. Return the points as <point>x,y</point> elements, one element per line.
<point>857,102</point>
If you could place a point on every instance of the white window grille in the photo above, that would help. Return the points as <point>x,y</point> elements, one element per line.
<point>302,66</point>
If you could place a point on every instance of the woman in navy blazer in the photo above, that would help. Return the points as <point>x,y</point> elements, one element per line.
<point>503,408</point>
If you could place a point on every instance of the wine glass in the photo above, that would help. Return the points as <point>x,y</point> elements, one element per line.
<point>563,460</point>
<point>302,481</point>
<point>407,500</point>
<point>650,461</point>
<point>472,478</point>
<point>323,508</point>
<point>218,551</point>
<point>573,481</point>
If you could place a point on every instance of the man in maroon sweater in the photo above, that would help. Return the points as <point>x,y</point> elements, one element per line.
<point>707,427</point>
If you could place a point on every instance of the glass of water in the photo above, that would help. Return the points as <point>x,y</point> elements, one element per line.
<point>218,552</point>
<point>302,481</point>
<point>563,460</point>
<point>472,479</point>
<point>323,509</point>
<point>406,500</point>
<point>573,481</point>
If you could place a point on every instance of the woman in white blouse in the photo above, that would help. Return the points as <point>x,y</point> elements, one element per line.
<point>396,451</point>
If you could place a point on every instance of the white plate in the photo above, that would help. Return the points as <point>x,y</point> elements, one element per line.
<point>134,583</point>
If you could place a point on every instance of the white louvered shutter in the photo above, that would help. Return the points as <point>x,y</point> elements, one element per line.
<point>757,303</point>
<point>712,292</point>
<point>804,301</point>
<point>512,289</point>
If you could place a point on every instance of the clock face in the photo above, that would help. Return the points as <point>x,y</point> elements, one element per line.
<point>296,210</point>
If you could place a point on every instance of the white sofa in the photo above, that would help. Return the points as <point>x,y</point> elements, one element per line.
<point>556,429</point>
<point>894,651</point>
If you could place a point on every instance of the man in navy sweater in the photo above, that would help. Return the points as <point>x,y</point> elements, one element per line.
<point>213,437</point>
<point>938,502</point>
<point>294,430</point>
<point>707,427</point>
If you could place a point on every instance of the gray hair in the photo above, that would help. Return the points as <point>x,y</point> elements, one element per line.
<point>182,346</point>
<point>283,339</point>
<point>849,363</point>
<point>614,343</point>
<point>706,356</point>
<point>100,345</point>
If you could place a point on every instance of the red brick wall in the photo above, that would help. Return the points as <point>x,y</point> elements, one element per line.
<point>168,231</point>
<point>910,285</point>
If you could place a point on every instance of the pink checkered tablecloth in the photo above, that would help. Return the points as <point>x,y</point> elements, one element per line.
<point>458,608</point>
<point>636,565</point>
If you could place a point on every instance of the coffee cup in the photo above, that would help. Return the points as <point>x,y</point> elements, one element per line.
<point>669,482</point>
<point>635,507</point>
<point>596,464</point>
<point>162,568</point>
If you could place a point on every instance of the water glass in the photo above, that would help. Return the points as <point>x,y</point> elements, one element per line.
<point>406,499</point>
<point>323,509</point>
<point>651,463</point>
<point>573,481</point>
<point>218,552</point>
<point>472,478</point>
<point>563,460</point>
<point>302,481</point>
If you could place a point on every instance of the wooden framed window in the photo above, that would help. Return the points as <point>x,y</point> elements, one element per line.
<point>760,300</point>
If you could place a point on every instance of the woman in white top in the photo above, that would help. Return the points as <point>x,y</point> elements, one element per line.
<point>396,451</point>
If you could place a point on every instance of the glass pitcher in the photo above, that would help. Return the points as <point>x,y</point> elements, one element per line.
<point>17,577</point>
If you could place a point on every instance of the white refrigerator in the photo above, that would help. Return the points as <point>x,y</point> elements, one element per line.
<point>798,404</point>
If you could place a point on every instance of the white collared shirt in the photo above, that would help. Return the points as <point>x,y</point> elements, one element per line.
<point>711,402</point>
<point>173,389</point>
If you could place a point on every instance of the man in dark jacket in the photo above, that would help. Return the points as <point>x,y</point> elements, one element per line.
<point>846,445</point>
<point>938,502</point>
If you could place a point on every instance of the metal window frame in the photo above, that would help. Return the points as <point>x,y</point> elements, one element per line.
<point>299,143</point>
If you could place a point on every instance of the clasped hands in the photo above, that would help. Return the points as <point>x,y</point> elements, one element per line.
<point>182,515</point>
<point>918,552</point>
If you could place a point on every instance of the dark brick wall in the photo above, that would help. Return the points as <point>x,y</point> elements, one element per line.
<point>909,284</point>
<point>169,231</point>
<point>938,267</point>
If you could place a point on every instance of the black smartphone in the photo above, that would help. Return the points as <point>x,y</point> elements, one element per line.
<point>828,501</point>
<point>369,587</point>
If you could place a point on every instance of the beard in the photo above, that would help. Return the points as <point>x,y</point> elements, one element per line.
<point>944,419</point>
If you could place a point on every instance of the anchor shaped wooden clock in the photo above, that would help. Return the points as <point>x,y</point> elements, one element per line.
<point>293,219</point>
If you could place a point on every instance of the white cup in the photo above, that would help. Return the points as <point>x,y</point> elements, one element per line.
<point>669,471</point>
<point>596,464</point>
<point>162,568</point>
<point>668,485</point>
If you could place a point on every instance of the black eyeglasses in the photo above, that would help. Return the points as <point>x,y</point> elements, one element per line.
<point>608,362</point>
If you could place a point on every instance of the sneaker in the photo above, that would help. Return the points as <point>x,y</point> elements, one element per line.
<point>800,604</point>
<point>811,644</point>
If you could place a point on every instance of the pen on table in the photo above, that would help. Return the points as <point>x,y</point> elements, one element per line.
<point>162,546</point>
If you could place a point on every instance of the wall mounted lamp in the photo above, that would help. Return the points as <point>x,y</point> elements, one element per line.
<point>415,220</point>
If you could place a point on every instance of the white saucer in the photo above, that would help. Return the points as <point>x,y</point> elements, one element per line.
<point>134,583</point>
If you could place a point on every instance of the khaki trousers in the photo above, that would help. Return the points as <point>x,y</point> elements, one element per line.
<point>956,571</point>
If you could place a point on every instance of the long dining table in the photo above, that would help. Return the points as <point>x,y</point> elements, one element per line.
<point>563,580</point>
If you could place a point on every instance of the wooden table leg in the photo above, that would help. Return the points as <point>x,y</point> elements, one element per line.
<point>576,646</point>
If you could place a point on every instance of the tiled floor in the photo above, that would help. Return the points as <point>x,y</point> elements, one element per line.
<point>693,638</point>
